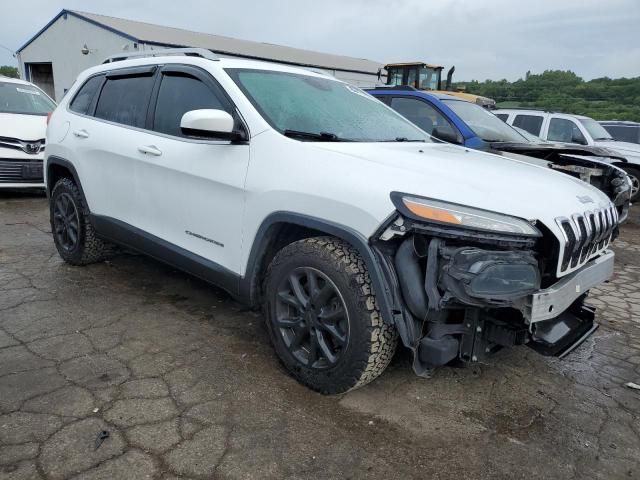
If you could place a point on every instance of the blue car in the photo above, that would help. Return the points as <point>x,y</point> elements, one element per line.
<point>457,121</point>
<point>449,118</point>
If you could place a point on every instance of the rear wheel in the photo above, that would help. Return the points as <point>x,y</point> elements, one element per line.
<point>73,233</point>
<point>323,318</point>
<point>634,175</point>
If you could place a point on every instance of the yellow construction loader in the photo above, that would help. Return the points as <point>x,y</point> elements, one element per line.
<point>424,76</point>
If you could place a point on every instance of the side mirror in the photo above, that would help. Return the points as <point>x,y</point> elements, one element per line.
<point>577,137</point>
<point>446,134</point>
<point>210,123</point>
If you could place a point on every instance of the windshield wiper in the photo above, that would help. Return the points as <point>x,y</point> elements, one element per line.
<point>603,138</point>
<point>320,137</point>
<point>404,139</point>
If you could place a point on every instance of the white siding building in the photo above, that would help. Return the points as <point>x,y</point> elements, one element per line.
<point>73,41</point>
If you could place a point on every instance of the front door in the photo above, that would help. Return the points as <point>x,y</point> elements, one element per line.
<point>190,191</point>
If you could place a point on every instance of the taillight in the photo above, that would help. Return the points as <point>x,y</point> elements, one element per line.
<point>49,117</point>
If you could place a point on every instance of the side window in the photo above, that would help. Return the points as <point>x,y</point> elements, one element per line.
<point>502,116</point>
<point>530,123</point>
<point>82,101</point>
<point>179,94</point>
<point>420,113</point>
<point>563,130</point>
<point>125,100</point>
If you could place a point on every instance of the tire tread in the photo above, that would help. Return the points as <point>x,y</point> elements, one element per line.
<point>93,249</point>
<point>380,339</point>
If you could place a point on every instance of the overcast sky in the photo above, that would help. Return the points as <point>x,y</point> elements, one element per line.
<point>483,38</point>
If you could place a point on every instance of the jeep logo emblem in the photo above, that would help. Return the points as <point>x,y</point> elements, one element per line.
<point>584,198</point>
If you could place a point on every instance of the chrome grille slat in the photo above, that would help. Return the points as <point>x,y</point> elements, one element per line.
<point>585,235</point>
<point>11,170</point>
<point>30,147</point>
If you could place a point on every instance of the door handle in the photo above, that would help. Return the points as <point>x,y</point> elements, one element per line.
<point>81,133</point>
<point>150,150</point>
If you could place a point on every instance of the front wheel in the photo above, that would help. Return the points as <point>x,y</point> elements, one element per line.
<point>634,175</point>
<point>322,315</point>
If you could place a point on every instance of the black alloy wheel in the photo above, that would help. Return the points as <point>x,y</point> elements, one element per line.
<point>73,234</point>
<point>66,222</point>
<point>635,186</point>
<point>312,318</point>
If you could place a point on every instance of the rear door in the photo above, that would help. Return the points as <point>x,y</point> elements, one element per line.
<point>104,136</point>
<point>191,190</point>
<point>529,122</point>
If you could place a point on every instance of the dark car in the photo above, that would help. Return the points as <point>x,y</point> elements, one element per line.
<point>463,123</point>
<point>623,131</point>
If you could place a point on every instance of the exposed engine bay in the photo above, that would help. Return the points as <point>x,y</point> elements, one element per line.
<point>462,296</point>
<point>589,164</point>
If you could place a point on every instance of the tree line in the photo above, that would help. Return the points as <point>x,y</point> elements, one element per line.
<point>563,91</point>
<point>8,71</point>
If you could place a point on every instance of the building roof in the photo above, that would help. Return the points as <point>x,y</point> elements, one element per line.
<point>175,37</point>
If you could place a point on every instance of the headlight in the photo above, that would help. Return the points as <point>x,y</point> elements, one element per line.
<point>445,213</point>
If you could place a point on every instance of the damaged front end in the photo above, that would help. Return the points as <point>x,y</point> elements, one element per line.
<point>462,293</point>
<point>589,164</point>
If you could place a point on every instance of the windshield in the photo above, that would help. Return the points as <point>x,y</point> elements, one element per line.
<point>24,99</point>
<point>484,123</point>
<point>429,79</point>
<point>596,130</point>
<point>320,109</point>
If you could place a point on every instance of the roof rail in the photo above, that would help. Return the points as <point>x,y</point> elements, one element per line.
<point>190,52</point>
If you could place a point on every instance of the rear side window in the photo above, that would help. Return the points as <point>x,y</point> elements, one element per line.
<point>530,123</point>
<point>178,94</point>
<point>125,100</point>
<point>502,116</point>
<point>82,101</point>
<point>420,113</point>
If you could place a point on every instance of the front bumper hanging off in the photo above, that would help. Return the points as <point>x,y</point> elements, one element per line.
<point>548,303</point>
<point>558,335</point>
<point>467,302</point>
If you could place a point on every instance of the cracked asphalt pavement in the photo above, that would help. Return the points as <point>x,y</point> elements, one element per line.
<point>186,384</point>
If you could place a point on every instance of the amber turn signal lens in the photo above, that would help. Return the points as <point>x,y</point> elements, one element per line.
<point>431,213</point>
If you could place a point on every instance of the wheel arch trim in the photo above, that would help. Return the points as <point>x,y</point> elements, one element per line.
<point>66,164</point>
<point>248,287</point>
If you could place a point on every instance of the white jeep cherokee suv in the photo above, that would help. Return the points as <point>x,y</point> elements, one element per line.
<point>23,123</point>
<point>305,196</point>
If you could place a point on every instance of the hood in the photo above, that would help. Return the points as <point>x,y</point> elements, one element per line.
<point>23,127</point>
<point>482,180</point>
<point>22,136</point>
<point>621,147</point>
